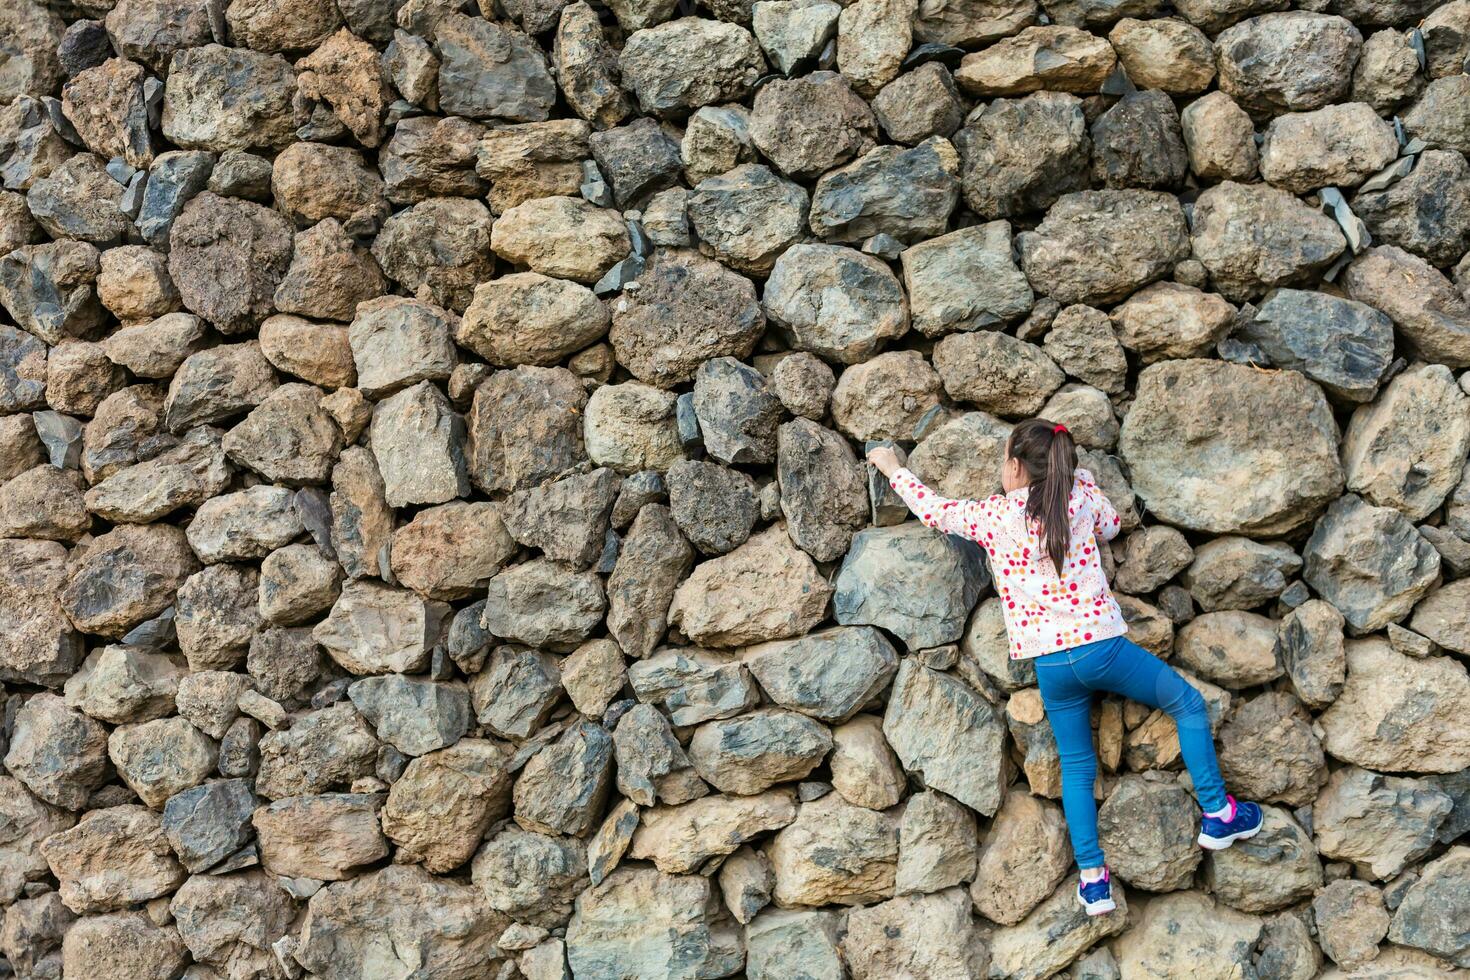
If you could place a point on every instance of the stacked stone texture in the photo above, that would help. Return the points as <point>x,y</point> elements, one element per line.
<point>434,536</point>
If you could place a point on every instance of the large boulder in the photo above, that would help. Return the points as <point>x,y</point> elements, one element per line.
<point>1197,426</point>
<point>1096,247</point>
<point>1287,62</point>
<point>1344,346</point>
<point>916,583</point>
<point>1252,238</point>
<point>947,734</point>
<point>640,922</point>
<point>1369,562</point>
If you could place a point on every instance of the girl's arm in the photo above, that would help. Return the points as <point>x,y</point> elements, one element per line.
<point>966,518</point>
<point>1105,522</point>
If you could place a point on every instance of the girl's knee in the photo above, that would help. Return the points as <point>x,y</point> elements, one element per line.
<point>1189,704</point>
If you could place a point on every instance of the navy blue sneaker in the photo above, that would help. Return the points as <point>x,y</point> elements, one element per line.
<point>1097,896</point>
<point>1244,823</point>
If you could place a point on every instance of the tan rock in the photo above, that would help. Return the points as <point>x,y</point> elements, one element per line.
<point>835,853</point>
<point>1061,59</point>
<point>324,837</point>
<point>680,839</point>
<point>562,237</point>
<point>113,858</point>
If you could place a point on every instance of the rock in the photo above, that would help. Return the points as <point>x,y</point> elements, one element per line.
<point>525,428</point>
<point>528,318</point>
<point>1138,143</point>
<point>658,64</point>
<point>652,765</point>
<point>778,940</point>
<point>874,588</point>
<point>126,576</point>
<point>428,156</point>
<point>328,277</point>
<point>1337,145</point>
<point>33,933</point>
<point>1342,345</point>
<point>593,676</point>
<point>1262,67</point>
<point>654,558</point>
<point>531,877</point>
<point>828,675</point>
<point>1169,320</point>
<point>794,32</point>
<point>1280,497</point>
<point>638,159</point>
<point>933,722</point>
<point>680,839</point>
<point>227,257</point>
<point>906,193</point>
<point>1288,242</point>
<point>1152,556</point>
<point>216,615</point>
<point>441,806</point>
<point>514,695</point>
<point>687,309</point>
<point>747,217</point>
<point>1351,921</point>
<point>1219,137</point>
<point>1388,70</point>
<point>561,237</point>
<point>737,410</point>
<point>160,758</point>
<point>441,246</point>
<point>451,551</point>
<point>50,291</point>
<point>79,199</point>
<point>1237,573</point>
<point>714,506</point>
<point>716,140</point>
<point>873,36</point>
<point>748,754</point>
<point>1236,649</point>
<point>1141,232</point>
<point>865,772</point>
<point>1422,213</point>
<point>1021,155</point>
<point>1369,725</point>
<point>1310,645</point>
<point>532,160</point>
<point>376,629</point>
<point>985,652</point>
<point>640,921</point>
<point>325,837</point>
<point>32,823</point>
<point>563,787</point>
<point>861,870</point>
<point>804,385</point>
<point>112,858</point>
<point>1274,869</point>
<point>1430,315</point>
<point>1422,408</point>
<point>1054,57</point>
<point>289,437</point>
<point>1186,933</point>
<point>414,716</point>
<point>134,283</point>
<point>965,280</point>
<point>931,934</point>
<point>418,441</point>
<point>996,372</point>
<point>232,920</point>
<point>1148,829</point>
<point>448,925</point>
<point>206,824</point>
<point>763,590</point>
<point>586,67</point>
<point>487,70</point>
<point>806,126</point>
<point>1433,902</point>
<point>1369,562</point>
<point>1436,117</point>
<point>936,844</point>
<point>44,502</point>
<point>323,750</point>
<point>1053,935</point>
<point>296,583</point>
<point>118,684</point>
<point>1023,857</point>
<point>1379,823</point>
<point>834,301</point>
<point>919,104</point>
<point>1165,54</point>
<point>1269,751</point>
<point>122,944</point>
<point>543,604</point>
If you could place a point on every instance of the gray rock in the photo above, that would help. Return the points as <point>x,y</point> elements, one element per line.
<point>871,308</point>
<point>531,877</point>
<point>544,604</point>
<point>1147,827</point>
<point>418,441</point>
<point>996,372</point>
<point>652,765</point>
<point>639,920</point>
<point>906,193</point>
<point>209,822</point>
<point>639,159</point>
<point>687,63</point>
<point>1423,213</point>
<point>1097,246</point>
<point>737,410</point>
<point>564,786</point>
<point>694,685</point>
<point>1262,67</point>
<point>1379,823</point>
<point>1138,143</point>
<point>525,427</point>
<point>414,716</point>
<point>1167,429</point>
<point>441,245</point>
<point>1344,346</point>
<point>488,71</point>
<point>806,126</point>
<point>1369,562</point>
<point>376,629</point>
<point>1430,315</point>
<point>749,754</point>
<point>875,586</point>
<point>1424,916</point>
<point>714,506</point>
<point>654,558</point>
<point>747,217</point>
<point>966,280</point>
<point>944,731</point>
<point>50,291</point>
<point>516,692</point>
<point>822,489</point>
<point>59,754</point>
<point>1287,242</point>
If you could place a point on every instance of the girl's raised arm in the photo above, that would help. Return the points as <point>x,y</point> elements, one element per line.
<point>966,518</point>
<point>1105,522</point>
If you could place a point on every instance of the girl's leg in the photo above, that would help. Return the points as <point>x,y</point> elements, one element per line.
<point>1128,669</point>
<point>1068,705</point>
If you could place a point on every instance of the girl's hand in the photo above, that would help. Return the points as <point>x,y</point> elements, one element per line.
<point>885,459</point>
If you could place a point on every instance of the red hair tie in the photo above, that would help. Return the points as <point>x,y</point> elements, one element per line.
<point>1059,427</point>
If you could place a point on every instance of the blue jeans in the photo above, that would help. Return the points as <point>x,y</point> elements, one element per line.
<point>1069,677</point>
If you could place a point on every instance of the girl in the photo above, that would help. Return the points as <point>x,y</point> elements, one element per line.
<point>1042,540</point>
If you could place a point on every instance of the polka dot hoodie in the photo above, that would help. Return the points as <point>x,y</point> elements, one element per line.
<point>1043,613</point>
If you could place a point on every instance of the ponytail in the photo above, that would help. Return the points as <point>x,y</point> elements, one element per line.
<point>1049,454</point>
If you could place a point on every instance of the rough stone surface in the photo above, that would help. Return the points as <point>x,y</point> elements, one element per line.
<point>437,429</point>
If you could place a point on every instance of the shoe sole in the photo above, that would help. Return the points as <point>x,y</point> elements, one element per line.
<point>1220,843</point>
<point>1096,908</point>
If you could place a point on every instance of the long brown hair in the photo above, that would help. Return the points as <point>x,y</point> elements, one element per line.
<point>1049,455</point>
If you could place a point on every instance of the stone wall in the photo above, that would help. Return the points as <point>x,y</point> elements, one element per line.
<point>434,536</point>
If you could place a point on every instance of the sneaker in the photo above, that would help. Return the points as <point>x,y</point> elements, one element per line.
<point>1097,896</point>
<point>1244,823</point>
